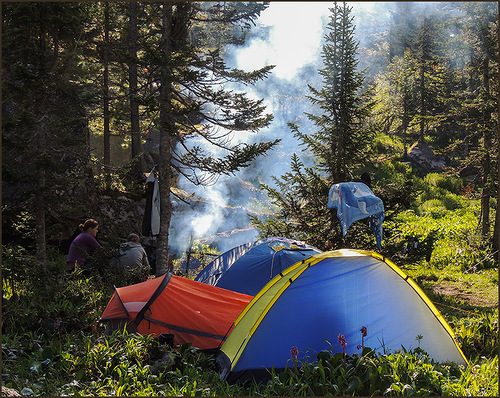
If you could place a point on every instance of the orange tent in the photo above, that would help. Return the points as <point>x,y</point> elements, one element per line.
<point>192,312</point>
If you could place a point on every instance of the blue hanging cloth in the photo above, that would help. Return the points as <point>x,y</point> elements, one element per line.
<point>354,201</point>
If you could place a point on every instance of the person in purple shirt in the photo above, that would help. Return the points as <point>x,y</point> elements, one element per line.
<point>83,245</point>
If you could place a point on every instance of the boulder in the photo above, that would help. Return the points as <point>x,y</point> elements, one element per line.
<point>421,154</point>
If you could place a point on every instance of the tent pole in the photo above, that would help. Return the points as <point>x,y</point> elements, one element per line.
<point>188,254</point>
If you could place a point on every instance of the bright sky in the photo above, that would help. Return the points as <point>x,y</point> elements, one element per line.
<point>295,36</point>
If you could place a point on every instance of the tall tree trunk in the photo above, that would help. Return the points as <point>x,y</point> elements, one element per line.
<point>485,197</point>
<point>166,131</point>
<point>40,202</point>
<point>107,146</point>
<point>41,244</point>
<point>496,238</point>
<point>2,29</point>
<point>132,76</point>
<point>404,126</point>
<point>423,110</point>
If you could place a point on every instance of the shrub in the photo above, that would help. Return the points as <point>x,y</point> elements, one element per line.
<point>449,183</point>
<point>479,379</point>
<point>385,143</point>
<point>478,336</point>
<point>449,240</point>
<point>51,302</point>
<point>435,207</point>
<point>132,364</point>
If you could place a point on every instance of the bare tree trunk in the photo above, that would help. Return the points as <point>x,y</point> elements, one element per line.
<point>166,131</point>
<point>40,202</point>
<point>41,244</point>
<point>132,76</point>
<point>107,146</point>
<point>423,110</point>
<point>404,126</point>
<point>485,197</point>
<point>496,238</point>
<point>1,152</point>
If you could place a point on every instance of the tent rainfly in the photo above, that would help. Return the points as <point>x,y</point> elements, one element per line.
<point>307,306</point>
<point>247,268</point>
<point>192,312</point>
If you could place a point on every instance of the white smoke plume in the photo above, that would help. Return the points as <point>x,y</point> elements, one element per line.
<point>288,35</point>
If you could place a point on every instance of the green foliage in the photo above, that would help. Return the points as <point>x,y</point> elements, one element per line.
<point>480,379</point>
<point>442,227</point>
<point>387,145</point>
<point>117,364</point>
<point>397,98</point>
<point>200,254</point>
<point>449,183</point>
<point>50,302</point>
<point>130,364</point>
<point>446,239</point>
<point>441,191</point>
<point>405,373</point>
<point>44,115</point>
<point>478,335</point>
<point>300,199</point>
<point>395,184</point>
<point>113,365</point>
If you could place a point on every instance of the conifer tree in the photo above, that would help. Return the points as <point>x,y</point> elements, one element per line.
<point>44,130</point>
<point>105,95</point>
<point>199,115</point>
<point>476,102</point>
<point>496,234</point>
<point>402,29</point>
<point>398,91</point>
<point>431,76</point>
<point>340,144</point>
<point>132,61</point>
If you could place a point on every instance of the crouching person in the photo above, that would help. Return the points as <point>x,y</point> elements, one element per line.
<point>133,260</point>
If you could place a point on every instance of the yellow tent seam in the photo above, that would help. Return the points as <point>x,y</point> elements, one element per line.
<point>266,310</point>
<point>313,260</point>
<point>269,285</point>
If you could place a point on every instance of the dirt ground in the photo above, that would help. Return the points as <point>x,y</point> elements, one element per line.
<point>474,299</point>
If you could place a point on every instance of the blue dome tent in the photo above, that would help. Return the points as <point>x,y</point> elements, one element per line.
<point>247,268</point>
<point>304,310</point>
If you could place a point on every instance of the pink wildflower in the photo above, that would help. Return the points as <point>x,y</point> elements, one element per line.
<point>342,342</point>
<point>294,352</point>
<point>364,332</point>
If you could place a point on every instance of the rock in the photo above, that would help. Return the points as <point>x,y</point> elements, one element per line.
<point>421,154</point>
<point>163,364</point>
<point>26,391</point>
